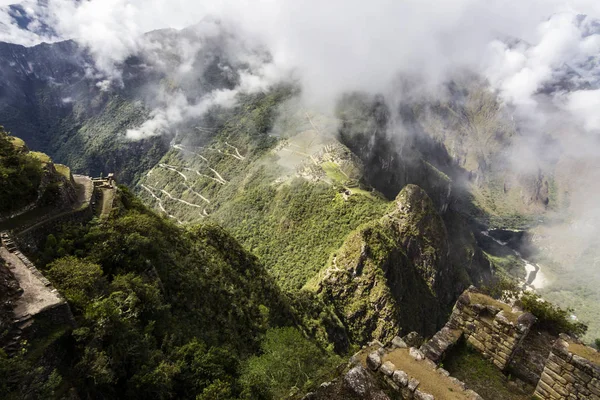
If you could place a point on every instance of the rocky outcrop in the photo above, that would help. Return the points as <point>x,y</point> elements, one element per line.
<point>393,275</point>
<point>357,384</point>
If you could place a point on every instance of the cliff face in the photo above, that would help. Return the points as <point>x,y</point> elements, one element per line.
<point>394,275</point>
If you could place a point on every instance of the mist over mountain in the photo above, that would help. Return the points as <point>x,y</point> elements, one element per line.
<point>365,162</point>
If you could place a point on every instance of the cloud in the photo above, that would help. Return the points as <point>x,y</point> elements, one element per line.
<point>334,45</point>
<point>585,105</point>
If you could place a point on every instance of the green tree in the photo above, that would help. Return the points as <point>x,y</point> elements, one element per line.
<point>19,379</point>
<point>552,318</point>
<point>78,280</point>
<point>289,362</point>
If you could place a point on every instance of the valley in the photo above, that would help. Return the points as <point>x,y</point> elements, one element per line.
<point>249,234</point>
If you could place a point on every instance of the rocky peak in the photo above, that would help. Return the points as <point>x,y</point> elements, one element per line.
<point>387,276</point>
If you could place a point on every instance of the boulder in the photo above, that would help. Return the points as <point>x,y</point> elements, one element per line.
<point>416,354</point>
<point>397,342</point>
<point>400,377</point>
<point>374,360</point>
<point>387,368</point>
<point>422,395</point>
<point>413,339</point>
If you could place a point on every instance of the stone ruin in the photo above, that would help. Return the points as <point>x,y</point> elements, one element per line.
<point>35,307</point>
<point>494,328</point>
<point>572,371</point>
<point>497,330</point>
<point>414,376</point>
<point>105,183</point>
<point>569,370</point>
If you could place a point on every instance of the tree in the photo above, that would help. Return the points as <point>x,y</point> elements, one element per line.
<point>78,280</point>
<point>289,362</point>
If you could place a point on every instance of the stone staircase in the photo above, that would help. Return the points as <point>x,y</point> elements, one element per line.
<point>8,242</point>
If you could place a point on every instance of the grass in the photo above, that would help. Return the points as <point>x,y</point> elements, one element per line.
<point>510,264</point>
<point>42,157</point>
<point>478,298</point>
<point>432,382</point>
<point>482,376</point>
<point>63,170</point>
<point>586,352</point>
<point>334,172</point>
<point>17,142</point>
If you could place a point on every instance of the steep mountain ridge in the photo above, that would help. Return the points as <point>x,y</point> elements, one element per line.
<point>394,276</point>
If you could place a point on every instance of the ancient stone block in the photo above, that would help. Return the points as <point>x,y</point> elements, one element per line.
<point>457,382</point>
<point>561,390</point>
<point>555,376</point>
<point>399,343</point>
<point>400,377</point>
<point>554,367</point>
<point>413,384</point>
<point>548,389</point>
<point>374,360</point>
<point>406,393</point>
<point>422,395</point>
<point>581,376</point>
<point>387,368</point>
<point>476,343</point>
<point>413,339</point>
<point>391,383</point>
<point>547,379</point>
<point>416,354</point>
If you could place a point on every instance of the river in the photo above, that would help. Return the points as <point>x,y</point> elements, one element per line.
<point>535,279</point>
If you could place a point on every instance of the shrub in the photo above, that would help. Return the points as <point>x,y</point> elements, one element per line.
<point>289,363</point>
<point>552,318</point>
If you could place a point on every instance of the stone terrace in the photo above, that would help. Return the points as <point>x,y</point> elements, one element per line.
<point>37,299</point>
<point>410,373</point>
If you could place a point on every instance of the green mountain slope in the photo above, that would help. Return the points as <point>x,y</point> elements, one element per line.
<point>30,179</point>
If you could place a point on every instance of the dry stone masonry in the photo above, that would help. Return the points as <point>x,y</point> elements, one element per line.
<point>571,372</point>
<point>413,376</point>
<point>497,330</point>
<point>494,328</point>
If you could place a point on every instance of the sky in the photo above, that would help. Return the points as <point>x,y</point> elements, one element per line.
<point>336,46</point>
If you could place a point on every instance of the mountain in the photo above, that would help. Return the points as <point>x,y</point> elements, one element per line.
<point>260,240</point>
<point>159,310</point>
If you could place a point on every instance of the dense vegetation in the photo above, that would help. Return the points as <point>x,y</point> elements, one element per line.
<point>164,312</point>
<point>294,228</point>
<point>20,174</point>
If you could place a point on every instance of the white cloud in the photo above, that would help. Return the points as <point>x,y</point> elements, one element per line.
<point>585,105</point>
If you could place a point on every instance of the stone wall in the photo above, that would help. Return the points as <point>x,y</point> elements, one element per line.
<point>568,375</point>
<point>408,372</point>
<point>34,236</point>
<point>26,321</point>
<point>493,328</point>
